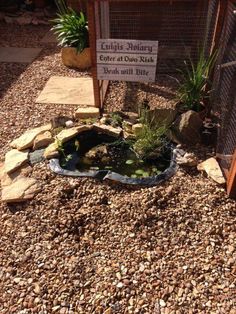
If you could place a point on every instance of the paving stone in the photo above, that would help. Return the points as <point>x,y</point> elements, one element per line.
<point>19,55</point>
<point>26,140</point>
<point>20,190</point>
<point>14,159</point>
<point>67,91</point>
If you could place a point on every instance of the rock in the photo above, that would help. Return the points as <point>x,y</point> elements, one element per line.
<point>7,179</point>
<point>51,151</point>
<point>163,116</point>
<point>43,140</point>
<point>137,128</point>
<point>15,159</point>
<point>186,128</point>
<point>87,113</point>
<point>213,170</point>
<point>97,152</point>
<point>185,159</point>
<point>127,126</point>
<point>36,156</point>
<point>107,129</point>
<point>26,140</point>
<point>20,190</point>
<point>69,124</point>
<point>60,121</point>
<point>128,136</point>
<point>67,134</point>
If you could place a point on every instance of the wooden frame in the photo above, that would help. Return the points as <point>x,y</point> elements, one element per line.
<point>231,180</point>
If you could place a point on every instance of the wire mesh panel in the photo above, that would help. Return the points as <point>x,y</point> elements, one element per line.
<point>225,91</point>
<point>180,27</point>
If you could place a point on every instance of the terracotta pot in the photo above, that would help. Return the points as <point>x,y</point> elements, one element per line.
<point>71,58</point>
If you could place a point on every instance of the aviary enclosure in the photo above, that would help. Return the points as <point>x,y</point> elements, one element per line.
<point>180,27</point>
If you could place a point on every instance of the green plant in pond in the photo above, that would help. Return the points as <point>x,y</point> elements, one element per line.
<point>77,145</point>
<point>151,139</point>
<point>192,90</point>
<point>70,27</point>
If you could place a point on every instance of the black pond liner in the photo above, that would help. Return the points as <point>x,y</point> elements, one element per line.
<point>55,166</point>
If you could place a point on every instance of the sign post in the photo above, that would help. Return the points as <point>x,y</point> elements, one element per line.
<point>127,60</point>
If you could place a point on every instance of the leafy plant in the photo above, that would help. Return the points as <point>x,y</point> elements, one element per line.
<point>192,91</point>
<point>116,119</point>
<point>70,27</point>
<point>61,149</point>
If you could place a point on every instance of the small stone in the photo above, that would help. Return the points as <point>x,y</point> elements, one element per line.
<point>26,140</point>
<point>43,140</point>
<point>162,303</point>
<point>69,124</point>
<point>14,160</point>
<point>213,170</point>
<point>86,113</point>
<point>120,285</point>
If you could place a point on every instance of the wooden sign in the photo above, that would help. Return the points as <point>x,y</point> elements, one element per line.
<point>126,60</point>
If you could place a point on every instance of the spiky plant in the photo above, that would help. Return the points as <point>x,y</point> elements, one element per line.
<point>70,27</point>
<point>192,91</point>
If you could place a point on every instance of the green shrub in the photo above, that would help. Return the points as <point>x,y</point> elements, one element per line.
<point>71,28</point>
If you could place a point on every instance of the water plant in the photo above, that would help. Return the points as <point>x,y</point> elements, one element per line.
<point>193,91</point>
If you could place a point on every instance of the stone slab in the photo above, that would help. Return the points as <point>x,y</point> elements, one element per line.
<point>67,91</point>
<point>49,38</point>
<point>19,55</point>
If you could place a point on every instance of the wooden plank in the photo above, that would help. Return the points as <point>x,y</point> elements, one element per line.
<point>92,42</point>
<point>231,181</point>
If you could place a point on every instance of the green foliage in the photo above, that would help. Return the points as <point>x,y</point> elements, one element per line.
<point>70,27</point>
<point>192,91</point>
<point>61,149</point>
<point>151,138</point>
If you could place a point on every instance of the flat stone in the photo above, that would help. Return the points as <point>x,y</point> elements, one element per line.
<point>67,134</point>
<point>20,190</point>
<point>15,159</point>
<point>26,140</point>
<point>86,113</point>
<point>7,179</point>
<point>36,156</point>
<point>213,170</point>
<point>67,91</point>
<point>49,38</point>
<point>19,55</point>
<point>43,140</point>
<point>186,159</point>
<point>51,151</point>
<point>107,129</point>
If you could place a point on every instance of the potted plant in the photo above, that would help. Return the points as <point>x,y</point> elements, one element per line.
<point>71,29</point>
<point>193,89</point>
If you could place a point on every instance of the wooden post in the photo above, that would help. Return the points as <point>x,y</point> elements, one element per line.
<point>231,181</point>
<point>92,43</point>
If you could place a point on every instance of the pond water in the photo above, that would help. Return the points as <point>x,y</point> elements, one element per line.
<point>91,151</point>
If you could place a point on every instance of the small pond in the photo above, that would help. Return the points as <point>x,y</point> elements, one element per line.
<point>92,151</point>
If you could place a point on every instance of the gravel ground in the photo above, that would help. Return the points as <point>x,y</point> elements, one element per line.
<point>82,246</point>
